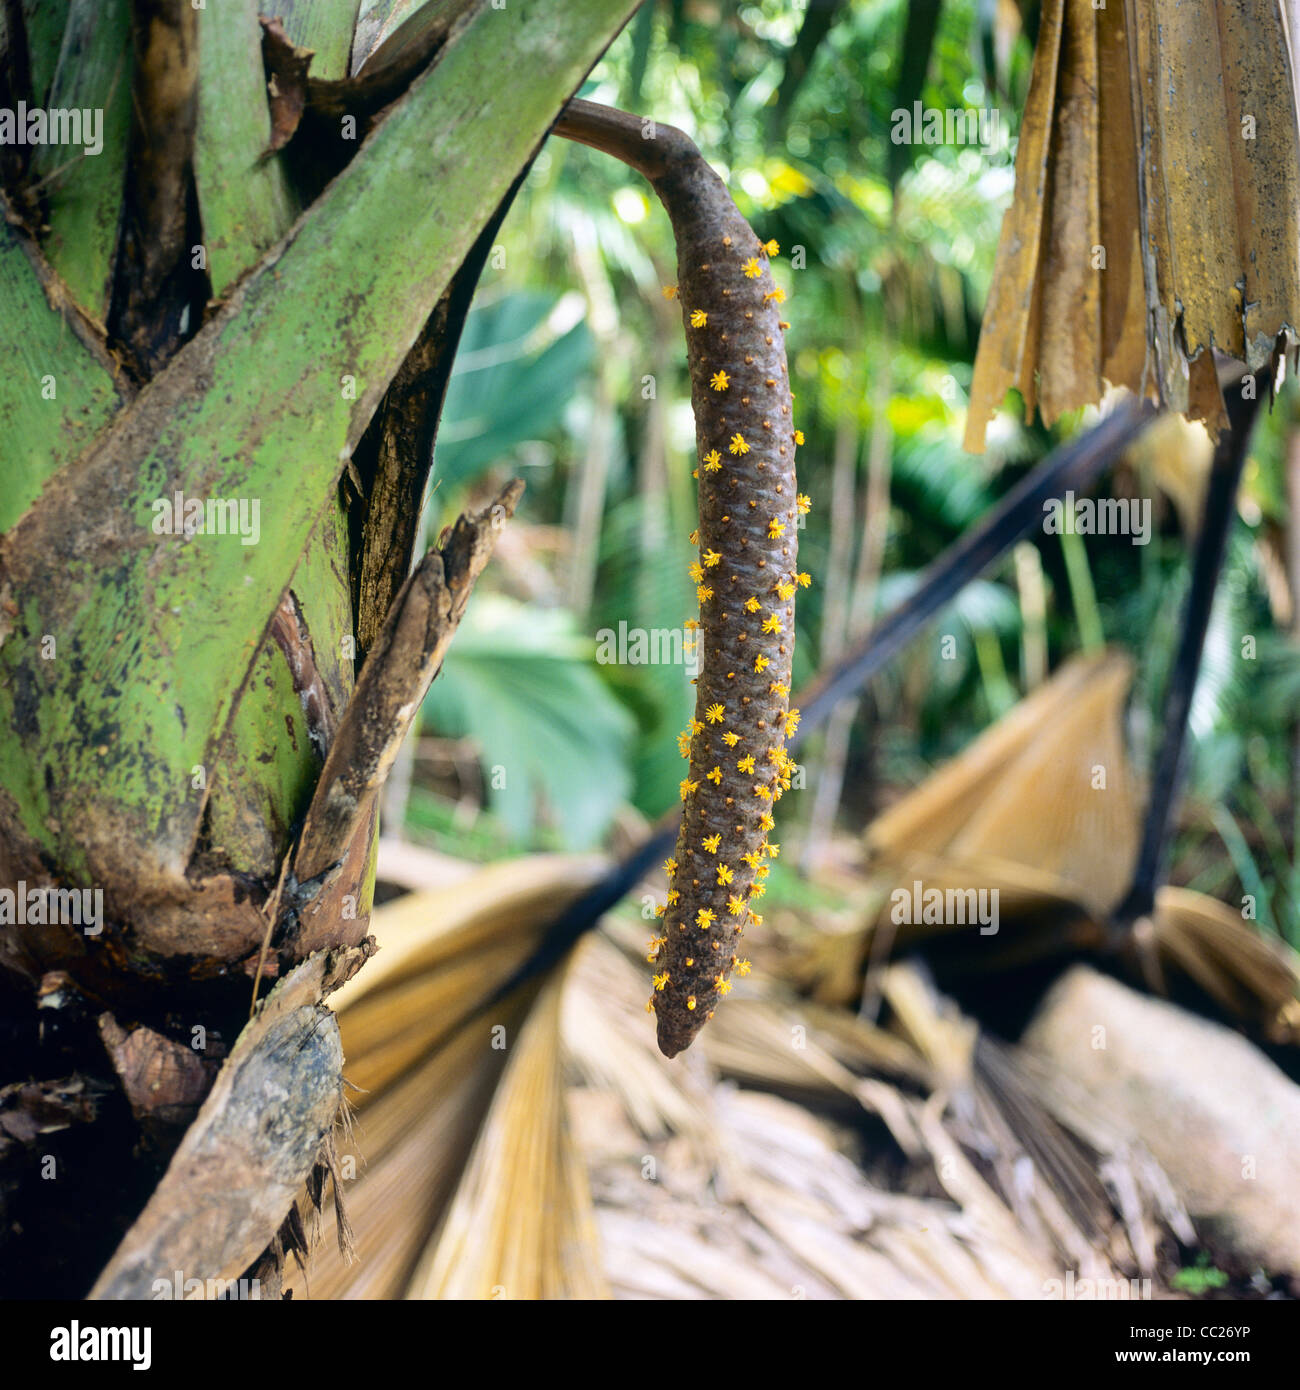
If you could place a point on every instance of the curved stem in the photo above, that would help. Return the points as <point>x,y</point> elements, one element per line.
<point>648,147</point>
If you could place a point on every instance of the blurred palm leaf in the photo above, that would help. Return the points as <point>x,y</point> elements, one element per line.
<point>505,388</point>
<point>553,740</point>
<point>647,586</point>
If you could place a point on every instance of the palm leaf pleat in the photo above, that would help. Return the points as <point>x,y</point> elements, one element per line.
<point>1044,807</point>
<point>1157,195</point>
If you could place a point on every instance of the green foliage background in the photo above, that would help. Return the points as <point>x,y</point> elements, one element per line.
<point>572,374</point>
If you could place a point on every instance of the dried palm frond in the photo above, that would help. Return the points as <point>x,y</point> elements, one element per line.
<point>1041,1186</point>
<point>742,1173</point>
<point>1157,193</point>
<point>1087,1193</point>
<point>472,1186</point>
<point>1048,787</point>
<point>759,1197</point>
<point>520,1225</point>
<point>418,1038</point>
<point>1250,975</point>
<point>1045,809</point>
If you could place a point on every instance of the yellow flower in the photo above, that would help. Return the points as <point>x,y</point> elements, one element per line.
<point>711,843</point>
<point>772,850</point>
<point>761,663</point>
<point>724,986</point>
<point>696,571</point>
<point>804,503</point>
<point>752,605</point>
<point>670,291</point>
<point>715,776</point>
<point>686,787</point>
<point>755,920</point>
<point>771,248</point>
<point>715,714</point>
<point>785,592</point>
<point>712,558</point>
<point>752,268</point>
<point>673,895</point>
<point>659,981</point>
<point>724,874</point>
<point>766,822</point>
<point>746,764</point>
<point>778,294</point>
<point>798,436</point>
<point>735,905</point>
<point>719,381</point>
<point>704,593</point>
<point>712,462</point>
<point>764,792</point>
<point>670,867</point>
<point>690,1003</point>
<point>804,580</point>
<point>776,688</point>
<point>696,727</point>
<point>791,722</point>
<point>650,1005</point>
<point>743,967</point>
<point>684,744</point>
<point>738,445</point>
<point>763,870</point>
<point>698,318</point>
<point>773,623</point>
<point>775,528</point>
<point>704,917</point>
<point>730,739</point>
<point>690,624</point>
<point>752,858</point>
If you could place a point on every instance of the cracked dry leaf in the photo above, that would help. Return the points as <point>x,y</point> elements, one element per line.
<point>1022,811</point>
<point>1155,213</point>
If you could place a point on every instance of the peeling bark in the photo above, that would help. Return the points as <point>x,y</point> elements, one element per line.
<point>397,674</point>
<point>244,1160</point>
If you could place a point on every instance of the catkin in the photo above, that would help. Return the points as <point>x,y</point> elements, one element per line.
<point>745,570</point>
<point>746,577</point>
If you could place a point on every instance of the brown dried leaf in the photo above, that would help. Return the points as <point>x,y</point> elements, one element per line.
<point>286,82</point>
<point>1165,137</point>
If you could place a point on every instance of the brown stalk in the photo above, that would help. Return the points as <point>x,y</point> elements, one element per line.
<point>403,662</point>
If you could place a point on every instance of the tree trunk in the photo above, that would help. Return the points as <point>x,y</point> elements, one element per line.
<point>230,329</point>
